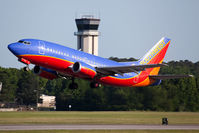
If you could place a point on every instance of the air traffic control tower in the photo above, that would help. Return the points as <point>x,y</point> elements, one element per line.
<point>87,34</point>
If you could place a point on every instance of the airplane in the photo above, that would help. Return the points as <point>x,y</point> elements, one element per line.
<point>53,61</point>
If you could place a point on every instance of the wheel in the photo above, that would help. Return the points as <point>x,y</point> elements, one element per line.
<point>73,86</point>
<point>95,85</point>
<point>26,69</point>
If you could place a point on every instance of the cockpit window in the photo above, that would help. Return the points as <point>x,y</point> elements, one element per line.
<point>25,42</point>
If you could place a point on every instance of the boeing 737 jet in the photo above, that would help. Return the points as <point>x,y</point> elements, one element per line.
<point>53,61</point>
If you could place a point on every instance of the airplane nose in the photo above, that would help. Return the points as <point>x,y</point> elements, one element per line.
<point>12,47</point>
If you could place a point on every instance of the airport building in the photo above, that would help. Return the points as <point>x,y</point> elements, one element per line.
<point>87,34</point>
<point>47,101</point>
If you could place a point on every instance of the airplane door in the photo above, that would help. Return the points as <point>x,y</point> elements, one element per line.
<point>41,47</point>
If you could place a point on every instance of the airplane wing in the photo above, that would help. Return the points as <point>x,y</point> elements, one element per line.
<point>125,69</point>
<point>169,76</point>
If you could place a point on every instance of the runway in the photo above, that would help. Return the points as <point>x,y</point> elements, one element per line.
<point>99,127</point>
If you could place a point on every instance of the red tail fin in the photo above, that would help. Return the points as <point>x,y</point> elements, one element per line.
<point>156,55</point>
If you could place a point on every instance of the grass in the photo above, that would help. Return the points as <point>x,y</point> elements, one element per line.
<point>131,117</point>
<point>104,131</point>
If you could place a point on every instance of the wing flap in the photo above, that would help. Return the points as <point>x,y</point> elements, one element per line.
<point>169,76</point>
<point>125,69</point>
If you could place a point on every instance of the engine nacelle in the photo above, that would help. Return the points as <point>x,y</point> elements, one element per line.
<point>45,73</point>
<point>157,82</point>
<point>83,70</point>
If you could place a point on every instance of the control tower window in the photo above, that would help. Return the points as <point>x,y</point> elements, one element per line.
<point>25,42</point>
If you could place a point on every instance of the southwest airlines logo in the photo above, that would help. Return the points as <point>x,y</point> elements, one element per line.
<point>153,52</point>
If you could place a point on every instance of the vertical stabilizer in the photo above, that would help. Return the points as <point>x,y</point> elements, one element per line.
<point>156,55</point>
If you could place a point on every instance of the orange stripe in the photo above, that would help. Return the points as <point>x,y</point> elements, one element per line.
<point>52,58</point>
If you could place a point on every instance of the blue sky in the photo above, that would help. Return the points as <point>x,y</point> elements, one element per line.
<point>129,28</point>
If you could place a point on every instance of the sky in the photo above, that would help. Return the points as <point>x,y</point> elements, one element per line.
<point>128,28</point>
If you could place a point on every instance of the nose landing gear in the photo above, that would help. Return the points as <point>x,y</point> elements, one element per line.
<point>26,68</point>
<point>25,61</point>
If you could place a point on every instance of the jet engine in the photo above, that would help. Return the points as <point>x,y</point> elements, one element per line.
<point>45,73</point>
<point>83,70</point>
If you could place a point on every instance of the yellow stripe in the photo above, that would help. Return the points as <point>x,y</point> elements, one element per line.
<point>143,83</point>
<point>156,70</point>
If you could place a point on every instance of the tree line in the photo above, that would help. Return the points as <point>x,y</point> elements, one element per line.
<point>21,88</point>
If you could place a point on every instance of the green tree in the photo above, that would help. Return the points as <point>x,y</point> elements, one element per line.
<point>9,79</point>
<point>28,85</point>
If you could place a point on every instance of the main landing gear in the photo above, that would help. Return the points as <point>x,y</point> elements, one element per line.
<point>74,85</point>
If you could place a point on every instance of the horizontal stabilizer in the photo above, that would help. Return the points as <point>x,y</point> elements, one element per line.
<point>169,76</point>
